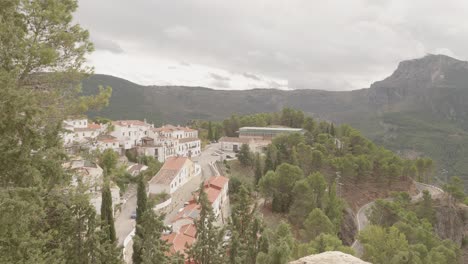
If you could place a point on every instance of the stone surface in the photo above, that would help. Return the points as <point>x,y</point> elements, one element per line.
<point>330,257</point>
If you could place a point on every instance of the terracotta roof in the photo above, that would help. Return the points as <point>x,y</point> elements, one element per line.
<point>107,139</point>
<point>169,170</point>
<point>212,194</point>
<point>185,140</point>
<point>235,139</point>
<point>130,122</point>
<point>170,128</point>
<point>178,241</point>
<point>217,181</point>
<point>191,211</point>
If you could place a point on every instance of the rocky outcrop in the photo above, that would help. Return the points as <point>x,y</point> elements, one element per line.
<point>451,222</point>
<point>348,227</point>
<point>330,257</point>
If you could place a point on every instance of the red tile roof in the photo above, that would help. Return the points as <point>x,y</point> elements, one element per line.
<point>179,242</point>
<point>169,170</point>
<point>217,181</point>
<point>90,127</point>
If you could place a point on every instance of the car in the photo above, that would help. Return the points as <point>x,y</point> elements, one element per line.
<point>186,203</point>
<point>229,157</point>
<point>215,154</point>
<point>180,210</point>
<point>133,215</point>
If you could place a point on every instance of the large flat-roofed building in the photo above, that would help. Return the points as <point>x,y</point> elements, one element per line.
<point>266,132</point>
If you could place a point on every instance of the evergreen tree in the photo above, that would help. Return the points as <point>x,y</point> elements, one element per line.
<point>271,158</point>
<point>426,209</point>
<point>107,214</point>
<point>258,168</point>
<point>245,156</point>
<point>207,247</point>
<point>246,229</point>
<point>317,223</point>
<point>151,249</point>
<point>142,204</point>
<point>210,131</point>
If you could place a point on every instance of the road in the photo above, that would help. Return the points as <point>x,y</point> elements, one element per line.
<point>361,216</point>
<point>123,222</point>
<point>124,225</point>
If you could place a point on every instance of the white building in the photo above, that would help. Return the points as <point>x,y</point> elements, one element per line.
<point>80,130</point>
<point>176,131</point>
<point>175,172</point>
<point>91,176</point>
<point>130,132</point>
<point>233,144</point>
<point>189,147</point>
<point>107,142</point>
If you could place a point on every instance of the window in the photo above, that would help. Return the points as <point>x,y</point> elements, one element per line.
<point>123,133</point>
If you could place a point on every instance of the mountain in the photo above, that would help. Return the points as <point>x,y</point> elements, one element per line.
<point>421,109</point>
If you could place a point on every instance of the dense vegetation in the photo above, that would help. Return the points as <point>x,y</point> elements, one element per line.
<point>299,175</point>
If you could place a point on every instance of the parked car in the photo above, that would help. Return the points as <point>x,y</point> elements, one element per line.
<point>133,215</point>
<point>215,154</point>
<point>229,157</point>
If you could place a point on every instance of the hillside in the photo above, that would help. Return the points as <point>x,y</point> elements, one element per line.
<point>421,109</point>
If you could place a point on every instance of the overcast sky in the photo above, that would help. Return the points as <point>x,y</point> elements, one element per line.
<point>289,44</point>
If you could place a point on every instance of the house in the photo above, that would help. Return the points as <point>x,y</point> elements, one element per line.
<point>104,142</point>
<point>91,176</point>
<point>181,240</point>
<point>189,147</point>
<point>233,143</point>
<point>183,227</point>
<point>79,130</point>
<point>174,173</point>
<point>177,132</point>
<point>130,132</point>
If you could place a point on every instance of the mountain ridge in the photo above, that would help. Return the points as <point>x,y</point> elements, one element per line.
<point>420,109</point>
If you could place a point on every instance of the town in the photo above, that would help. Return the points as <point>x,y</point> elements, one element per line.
<point>185,165</point>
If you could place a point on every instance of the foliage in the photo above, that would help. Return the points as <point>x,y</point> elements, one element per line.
<point>323,242</point>
<point>207,247</point>
<point>279,186</point>
<point>107,213</point>
<point>246,228</point>
<point>280,246</point>
<point>108,160</point>
<point>44,219</point>
<point>315,224</point>
<point>244,156</point>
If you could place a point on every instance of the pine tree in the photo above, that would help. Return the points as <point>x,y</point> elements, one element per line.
<point>210,131</point>
<point>142,205</point>
<point>142,199</point>
<point>258,168</point>
<point>245,156</point>
<point>151,248</point>
<point>207,248</point>
<point>107,215</point>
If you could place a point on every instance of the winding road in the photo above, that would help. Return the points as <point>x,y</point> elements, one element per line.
<point>361,216</point>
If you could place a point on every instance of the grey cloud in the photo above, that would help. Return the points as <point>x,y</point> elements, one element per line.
<point>218,77</point>
<point>338,41</point>
<point>251,76</point>
<point>106,44</point>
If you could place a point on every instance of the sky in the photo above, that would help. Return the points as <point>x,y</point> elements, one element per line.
<point>285,44</point>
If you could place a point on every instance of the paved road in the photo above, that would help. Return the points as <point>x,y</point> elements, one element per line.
<point>123,223</point>
<point>361,216</point>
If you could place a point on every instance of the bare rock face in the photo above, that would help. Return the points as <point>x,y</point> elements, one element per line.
<point>329,257</point>
<point>451,222</point>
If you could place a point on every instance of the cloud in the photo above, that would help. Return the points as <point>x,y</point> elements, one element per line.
<point>178,32</point>
<point>331,45</point>
<point>251,76</point>
<point>106,44</point>
<point>218,77</point>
